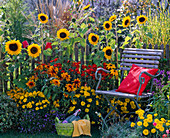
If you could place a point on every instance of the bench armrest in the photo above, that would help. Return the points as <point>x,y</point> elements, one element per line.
<point>98,76</point>
<point>142,80</point>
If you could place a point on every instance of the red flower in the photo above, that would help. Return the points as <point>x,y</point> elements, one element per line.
<point>164,136</point>
<point>25,44</point>
<point>89,66</point>
<point>68,61</point>
<point>55,59</point>
<point>99,87</point>
<point>104,65</point>
<point>48,45</point>
<point>77,69</point>
<point>51,60</point>
<point>88,71</point>
<point>60,68</point>
<point>82,74</point>
<point>83,66</point>
<point>94,66</point>
<point>62,71</point>
<point>78,72</point>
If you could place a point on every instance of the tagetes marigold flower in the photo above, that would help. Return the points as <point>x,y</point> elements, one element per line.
<point>66,76</point>
<point>30,84</point>
<point>70,87</point>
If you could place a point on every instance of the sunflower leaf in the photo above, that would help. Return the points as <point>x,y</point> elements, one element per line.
<point>83,42</point>
<point>83,25</point>
<point>119,31</point>
<point>55,43</point>
<point>47,52</point>
<point>127,38</point>
<point>91,19</point>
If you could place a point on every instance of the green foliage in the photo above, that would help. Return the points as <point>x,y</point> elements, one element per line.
<point>8,113</point>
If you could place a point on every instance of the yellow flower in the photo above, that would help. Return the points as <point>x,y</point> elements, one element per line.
<point>74,102</point>
<point>82,87</point>
<point>107,52</point>
<point>167,124</point>
<point>126,21</point>
<point>22,97</point>
<point>86,93</point>
<point>93,38</point>
<point>70,87</point>
<point>150,120</point>
<point>142,19</point>
<point>149,116</point>
<point>163,120</point>
<point>132,124</point>
<point>153,130</point>
<point>92,122</point>
<point>23,106</point>
<point>89,100</point>
<point>145,124</point>
<point>76,82</point>
<point>43,18</point>
<point>139,123</point>
<point>41,107</point>
<point>34,50</point>
<point>32,102</point>
<point>97,102</point>
<point>30,94</point>
<point>127,100</point>
<point>112,18</point>
<point>145,131</point>
<point>155,114</point>
<point>63,34</point>
<point>86,110</point>
<point>107,25</point>
<point>92,90</point>
<point>56,82</point>
<point>71,108</point>
<point>77,95</point>
<point>29,105</point>
<point>13,47</point>
<point>88,105</point>
<point>83,103</point>
<point>161,128</point>
<point>37,108</point>
<point>45,106</point>
<point>110,66</point>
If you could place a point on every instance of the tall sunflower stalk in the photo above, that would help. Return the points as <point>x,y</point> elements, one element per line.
<point>42,42</point>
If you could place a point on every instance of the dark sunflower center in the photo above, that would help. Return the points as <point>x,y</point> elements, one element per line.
<point>13,47</point>
<point>56,82</point>
<point>94,39</point>
<point>70,86</point>
<point>108,52</point>
<point>142,19</point>
<point>107,25</point>
<point>31,83</point>
<point>43,18</point>
<point>126,22</point>
<point>62,35</point>
<point>34,50</point>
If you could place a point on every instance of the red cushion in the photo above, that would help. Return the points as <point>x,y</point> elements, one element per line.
<point>131,83</point>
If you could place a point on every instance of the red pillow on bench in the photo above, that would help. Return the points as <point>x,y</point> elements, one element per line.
<point>131,83</point>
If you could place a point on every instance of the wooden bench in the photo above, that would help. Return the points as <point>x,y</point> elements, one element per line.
<point>148,58</point>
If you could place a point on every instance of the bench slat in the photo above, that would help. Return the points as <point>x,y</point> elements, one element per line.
<point>140,65</point>
<point>124,68</point>
<point>143,53</point>
<point>140,61</point>
<point>140,56</point>
<point>147,50</point>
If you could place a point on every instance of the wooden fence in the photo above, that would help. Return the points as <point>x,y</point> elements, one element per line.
<point>6,85</point>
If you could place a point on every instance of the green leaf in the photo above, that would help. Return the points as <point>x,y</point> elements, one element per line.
<point>149,34</point>
<point>83,42</point>
<point>119,31</point>
<point>127,38</point>
<point>92,19</point>
<point>53,98</point>
<point>78,39</point>
<point>45,91</point>
<point>134,39</point>
<point>47,52</point>
<point>83,25</point>
<point>55,43</point>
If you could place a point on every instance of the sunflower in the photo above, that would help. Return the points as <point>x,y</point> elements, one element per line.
<point>110,66</point>
<point>30,84</point>
<point>63,34</point>
<point>13,47</point>
<point>107,25</point>
<point>43,18</point>
<point>112,18</point>
<point>76,83</point>
<point>108,52</point>
<point>93,38</point>
<point>86,7</point>
<point>126,21</point>
<point>34,50</point>
<point>142,19</point>
<point>56,82</point>
<point>70,87</point>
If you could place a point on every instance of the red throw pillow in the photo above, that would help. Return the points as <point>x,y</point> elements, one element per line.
<point>131,83</point>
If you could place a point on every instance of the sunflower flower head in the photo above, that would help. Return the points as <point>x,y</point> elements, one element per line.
<point>107,52</point>
<point>126,21</point>
<point>13,47</point>
<point>112,18</point>
<point>93,38</point>
<point>34,50</point>
<point>43,18</point>
<point>63,34</point>
<point>107,25</point>
<point>142,19</point>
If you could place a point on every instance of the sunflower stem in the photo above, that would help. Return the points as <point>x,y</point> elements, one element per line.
<point>41,33</point>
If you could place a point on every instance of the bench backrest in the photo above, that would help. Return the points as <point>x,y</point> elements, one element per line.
<point>148,58</point>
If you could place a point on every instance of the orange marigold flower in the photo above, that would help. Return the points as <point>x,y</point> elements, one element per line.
<point>56,82</point>
<point>70,87</point>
